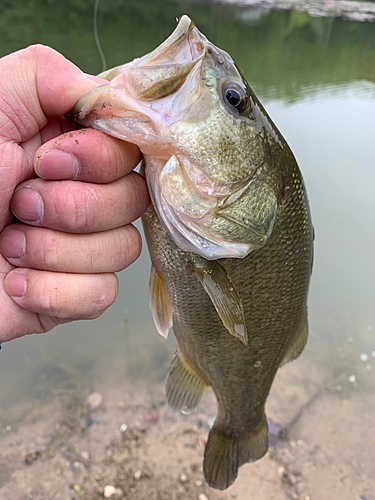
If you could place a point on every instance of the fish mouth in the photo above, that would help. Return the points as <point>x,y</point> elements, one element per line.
<point>145,93</point>
<point>165,69</point>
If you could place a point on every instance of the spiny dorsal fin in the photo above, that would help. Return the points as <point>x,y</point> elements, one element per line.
<point>225,454</point>
<point>224,297</point>
<point>159,303</point>
<point>298,345</point>
<point>184,389</point>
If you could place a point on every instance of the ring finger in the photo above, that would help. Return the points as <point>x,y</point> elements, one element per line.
<point>49,250</point>
<point>80,207</point>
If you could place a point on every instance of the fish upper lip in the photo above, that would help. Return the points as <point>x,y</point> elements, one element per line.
<point>185,34</point>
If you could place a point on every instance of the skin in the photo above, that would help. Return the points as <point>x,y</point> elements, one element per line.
<point>67,199</point>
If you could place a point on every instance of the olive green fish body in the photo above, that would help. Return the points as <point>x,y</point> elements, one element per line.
<point>272,283</point>
<point>229,232</point>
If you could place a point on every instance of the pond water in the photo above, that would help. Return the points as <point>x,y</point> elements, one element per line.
<point>316,78</point>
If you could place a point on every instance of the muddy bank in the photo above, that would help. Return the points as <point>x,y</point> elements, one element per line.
<point>133,446</point>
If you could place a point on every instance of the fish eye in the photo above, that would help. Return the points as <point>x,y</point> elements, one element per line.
<point>235,96</point>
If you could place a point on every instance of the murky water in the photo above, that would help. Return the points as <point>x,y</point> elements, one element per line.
<point>316,78</point>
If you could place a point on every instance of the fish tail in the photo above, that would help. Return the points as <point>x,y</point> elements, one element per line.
<point>225,454</point>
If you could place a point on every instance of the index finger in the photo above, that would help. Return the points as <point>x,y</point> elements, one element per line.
<point>86,155</point>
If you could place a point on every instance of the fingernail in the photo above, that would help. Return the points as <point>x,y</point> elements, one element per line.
<point>27,205</point>
<point>15,284</point>
<point>13,243</point>
<point>54,164</point>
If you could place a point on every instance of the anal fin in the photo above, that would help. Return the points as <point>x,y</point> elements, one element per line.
<point>298,345</point>
<point>225,454</point>
<point>184,389</point>
<point>224,297</point>
<point>159,303</point>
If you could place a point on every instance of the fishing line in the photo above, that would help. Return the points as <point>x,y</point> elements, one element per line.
<point>98,46</point>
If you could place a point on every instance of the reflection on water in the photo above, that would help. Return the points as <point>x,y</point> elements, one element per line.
<point>316,78</point>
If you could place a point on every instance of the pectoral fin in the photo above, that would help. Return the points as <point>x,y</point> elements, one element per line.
<point>159,303</point>
<point>224,297</point>
<point>184,389</point>
<point>298,345</point>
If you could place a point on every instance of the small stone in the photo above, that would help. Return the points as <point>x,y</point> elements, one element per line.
<point>85,455</point>
<point>281,470</point>
<point>8,428</point>
<point>137,474</point>
<point>338,388</point>
<point>198,482</point>
<point>363,357</point>
<point>202,496</point>
<point>352,378</point>
<point>152,416</point>
<point>292,478</point>
<point>77,465</point>
<point>183,478</point>
<point>93,401</point>
<point>119,493</point>
<point>123,428</point>
<point>32,456</point>
<point>109,491</point>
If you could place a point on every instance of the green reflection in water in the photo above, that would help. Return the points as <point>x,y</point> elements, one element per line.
<point>283,54</point>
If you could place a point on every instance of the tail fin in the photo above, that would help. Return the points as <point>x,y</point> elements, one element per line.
<point>224,455</point>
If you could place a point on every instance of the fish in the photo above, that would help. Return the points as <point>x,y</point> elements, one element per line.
<point>229,232</point>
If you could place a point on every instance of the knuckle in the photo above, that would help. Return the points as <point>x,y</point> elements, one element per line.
<point>77,213</point>
<point>48,254</point>
<point>105,296</point>
<point>131,246</point>
<point>139,193</point>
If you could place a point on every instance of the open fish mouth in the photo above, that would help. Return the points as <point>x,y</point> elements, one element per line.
<point>154,76</point>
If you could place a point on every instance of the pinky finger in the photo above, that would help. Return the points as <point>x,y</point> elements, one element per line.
<point>61,296</point>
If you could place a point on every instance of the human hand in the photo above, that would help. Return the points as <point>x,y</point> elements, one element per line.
<point>74,195</point>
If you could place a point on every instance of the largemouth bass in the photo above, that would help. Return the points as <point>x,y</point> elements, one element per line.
<point>229,232</point>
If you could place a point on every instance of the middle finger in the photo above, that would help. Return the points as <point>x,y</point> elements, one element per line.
<point>78,207</point>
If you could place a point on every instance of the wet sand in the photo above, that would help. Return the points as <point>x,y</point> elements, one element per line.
<point>60,449</point>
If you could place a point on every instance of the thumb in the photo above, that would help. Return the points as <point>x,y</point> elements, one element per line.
<point>39,84</point>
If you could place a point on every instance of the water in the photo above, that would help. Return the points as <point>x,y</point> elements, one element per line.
<point>316,78</point>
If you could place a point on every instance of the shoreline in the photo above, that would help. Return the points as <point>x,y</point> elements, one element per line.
<point>351,10</point>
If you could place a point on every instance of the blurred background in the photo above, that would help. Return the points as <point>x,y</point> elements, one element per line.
<point>314,71</point>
